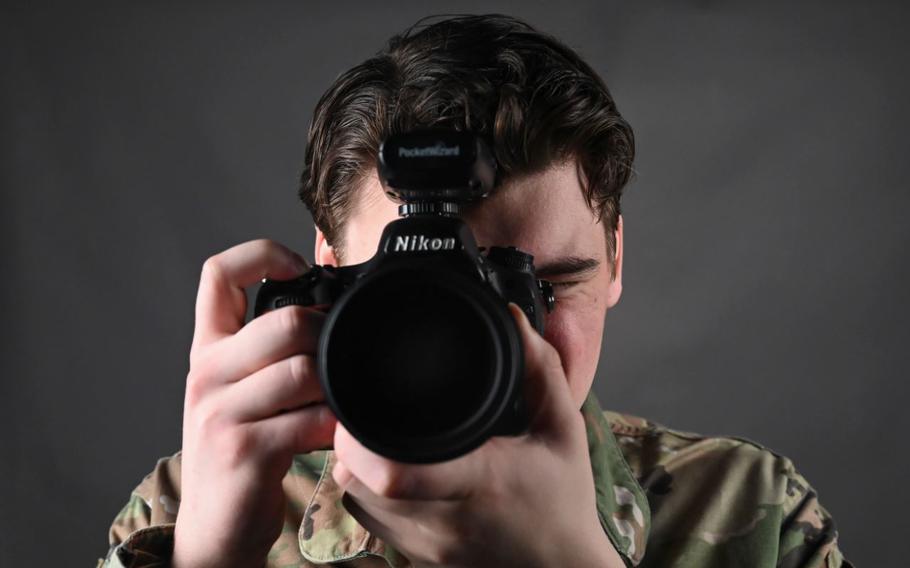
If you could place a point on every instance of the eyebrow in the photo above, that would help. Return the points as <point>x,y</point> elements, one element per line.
<point>568,266</point>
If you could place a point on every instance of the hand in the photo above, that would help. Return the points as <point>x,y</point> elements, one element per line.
<point>515,501</point>
<point>253,400</point>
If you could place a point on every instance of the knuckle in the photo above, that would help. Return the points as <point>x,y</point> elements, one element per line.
<point>292,319</point>
<point>198,381</point>
<point>391,483</point>
<point>195,391</point>
<point>213,267</point>
<point>236,446</point>
<point>300,370</point>
<point>203,371</point>
<point>312,430</point>
<point>265,244</point>
<point>267,248</point>
<point>206,424</point>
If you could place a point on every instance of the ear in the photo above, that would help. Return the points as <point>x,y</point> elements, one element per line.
<point>324,253</point>
<point>614,289</point>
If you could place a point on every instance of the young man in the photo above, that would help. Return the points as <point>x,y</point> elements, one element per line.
<point>254,486</point>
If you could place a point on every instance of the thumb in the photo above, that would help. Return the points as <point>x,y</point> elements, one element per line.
<point>547,394</point>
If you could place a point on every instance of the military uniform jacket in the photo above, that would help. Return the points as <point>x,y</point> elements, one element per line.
<point>665,499</point>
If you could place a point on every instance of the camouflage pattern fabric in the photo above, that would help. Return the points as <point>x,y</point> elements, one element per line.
<point>665,498</point>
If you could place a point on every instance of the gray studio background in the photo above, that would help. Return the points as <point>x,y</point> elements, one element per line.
<point>765,270</point>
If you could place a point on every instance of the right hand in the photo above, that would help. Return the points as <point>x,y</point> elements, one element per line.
<point>253,400</point>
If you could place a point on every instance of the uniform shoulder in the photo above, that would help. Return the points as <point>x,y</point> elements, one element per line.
<point>660,456</point>
<point>646,445</point>
<point>742,490</point>
<point>636,435</point>
<point>630,425</point>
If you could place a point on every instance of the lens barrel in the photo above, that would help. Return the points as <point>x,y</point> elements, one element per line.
<point>420,362</point>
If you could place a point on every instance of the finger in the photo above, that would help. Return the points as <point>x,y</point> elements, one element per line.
<point>451,480</point>
<point>286,385</point>
<point>547,392</point>
<point>297,431</point>
<point>412,528</point>
<point>401,507</point>
<point>271,337</point>
<point>221,301</point>
<point>341,474</point>
<point>377,523</point>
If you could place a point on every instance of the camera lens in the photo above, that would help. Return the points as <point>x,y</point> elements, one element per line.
<point>418,362</point>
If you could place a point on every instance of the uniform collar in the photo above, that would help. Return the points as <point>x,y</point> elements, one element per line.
<point>621,502</point>
<point>329,533</point>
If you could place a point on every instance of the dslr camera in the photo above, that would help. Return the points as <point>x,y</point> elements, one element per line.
<point>419,356</point>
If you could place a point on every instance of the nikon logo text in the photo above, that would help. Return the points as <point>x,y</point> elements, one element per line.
<point>420,242</point>
<point>436,151</point>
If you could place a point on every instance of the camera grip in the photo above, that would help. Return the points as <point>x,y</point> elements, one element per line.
<point>320,285</point>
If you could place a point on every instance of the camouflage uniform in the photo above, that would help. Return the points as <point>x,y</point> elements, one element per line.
<point>665,498</point>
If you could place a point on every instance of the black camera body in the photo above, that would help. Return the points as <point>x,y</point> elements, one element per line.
<point>419,357</point>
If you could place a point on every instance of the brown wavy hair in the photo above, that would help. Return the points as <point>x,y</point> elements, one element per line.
<point>532,98</point>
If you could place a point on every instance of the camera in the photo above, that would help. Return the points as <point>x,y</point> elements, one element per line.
<point>419,357</point>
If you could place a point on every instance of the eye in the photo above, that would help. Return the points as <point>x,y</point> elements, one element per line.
<point>564,285</point>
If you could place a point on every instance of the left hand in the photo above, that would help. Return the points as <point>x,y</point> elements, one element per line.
<point>516,501</point>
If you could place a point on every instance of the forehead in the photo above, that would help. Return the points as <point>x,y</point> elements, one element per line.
<point>538,212</point>
<point>544,213</point>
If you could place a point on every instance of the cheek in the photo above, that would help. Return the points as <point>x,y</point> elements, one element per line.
<point>576,335</point>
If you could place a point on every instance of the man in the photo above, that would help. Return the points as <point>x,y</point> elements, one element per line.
<point>253,484</point>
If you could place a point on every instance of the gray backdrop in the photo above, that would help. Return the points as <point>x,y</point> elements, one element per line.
<point>765,273</point>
